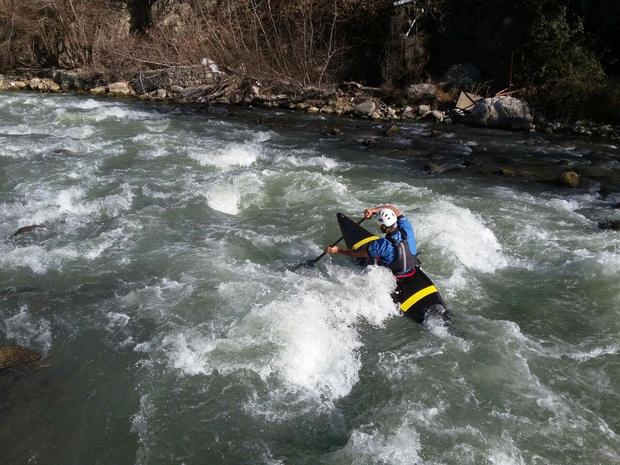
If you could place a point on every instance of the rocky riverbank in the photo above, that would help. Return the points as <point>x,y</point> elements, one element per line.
<point>441,102</point>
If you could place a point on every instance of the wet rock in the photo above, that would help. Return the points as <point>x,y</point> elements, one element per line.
<point>434,168</point>
<point>119,88</point>
<point>408,112</point>
<point>424,110</point>
<point>62,151</point>
<point>99,90</point>
<point>507,172</point>
<point>569,179</point>
<point>26,229</point>
<point>435,132</point>
<point>462,75</point>
<point>16,356</point>
<point>370,142</point>
<point>392,131</point>
<point>612,225</point>
<point>312,109</point>
<point>501,113</point>
<point>334,131</point>
<point>366,108</point>
<point>437,115</point>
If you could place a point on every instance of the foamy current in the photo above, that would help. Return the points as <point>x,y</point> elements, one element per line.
<point>159,289</point>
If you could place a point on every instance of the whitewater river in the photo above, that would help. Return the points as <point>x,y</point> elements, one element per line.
<point>173,331</point>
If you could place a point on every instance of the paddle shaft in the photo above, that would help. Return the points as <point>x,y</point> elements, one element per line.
<point>331,245</point>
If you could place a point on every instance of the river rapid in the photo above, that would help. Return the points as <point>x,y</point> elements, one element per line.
<point>159,292</point>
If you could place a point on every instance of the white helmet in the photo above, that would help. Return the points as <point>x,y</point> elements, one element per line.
<point>386,217</point>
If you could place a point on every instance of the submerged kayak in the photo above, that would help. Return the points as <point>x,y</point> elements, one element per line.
<point>416,294</point>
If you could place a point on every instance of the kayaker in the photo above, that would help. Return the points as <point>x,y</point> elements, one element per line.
<point>396,251</point>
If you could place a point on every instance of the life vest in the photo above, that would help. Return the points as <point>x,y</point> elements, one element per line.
<point>405,261</point>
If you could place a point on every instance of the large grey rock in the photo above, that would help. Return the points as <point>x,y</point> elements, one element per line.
<point>16,356</point>
<point>500,112</point>
<point>365,108</point>
<point>462,75</point>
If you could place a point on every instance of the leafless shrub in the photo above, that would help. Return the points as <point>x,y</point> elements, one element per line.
<point>299,41</point>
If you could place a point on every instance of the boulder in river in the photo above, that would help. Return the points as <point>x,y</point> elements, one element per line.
<point>26,229</point>
<point>569,179</point>
<point>16,356</point>
<point>500,112</point>
<point>366,108</point>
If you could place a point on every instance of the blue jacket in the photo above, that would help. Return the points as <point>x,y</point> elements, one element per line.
<point>383,248</point>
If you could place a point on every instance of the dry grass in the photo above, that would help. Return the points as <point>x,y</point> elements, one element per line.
<point>299,41</point>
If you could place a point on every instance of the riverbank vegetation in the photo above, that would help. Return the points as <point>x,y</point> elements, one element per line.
<point>562,55</point>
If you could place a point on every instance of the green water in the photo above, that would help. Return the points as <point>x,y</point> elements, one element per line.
<point>173,331</point>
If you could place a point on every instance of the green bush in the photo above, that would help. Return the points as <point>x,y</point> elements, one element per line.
<point>562,75</point>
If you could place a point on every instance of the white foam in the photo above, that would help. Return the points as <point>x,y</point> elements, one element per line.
<point>235,194</point>
<point>461,234</point>
<point>29,331</point>
<point>117,320</point>
<point>38,259</point>
<point>305,160</point>
<point>373,445</point>
<point>231,156</point>
<point>140,426</point>
<point>307,338</point>
<point>506,453</point>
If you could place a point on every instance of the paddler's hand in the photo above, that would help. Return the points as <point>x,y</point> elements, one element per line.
<point>333,250</point>
<point>368,212</point>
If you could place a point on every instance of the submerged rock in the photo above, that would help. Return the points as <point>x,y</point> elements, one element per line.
<point>434,168</point>
<point>569,179</point>
<point>16,356</point>
<point>612,225</point>
<point>26,229</point>
<point>392,131</point>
